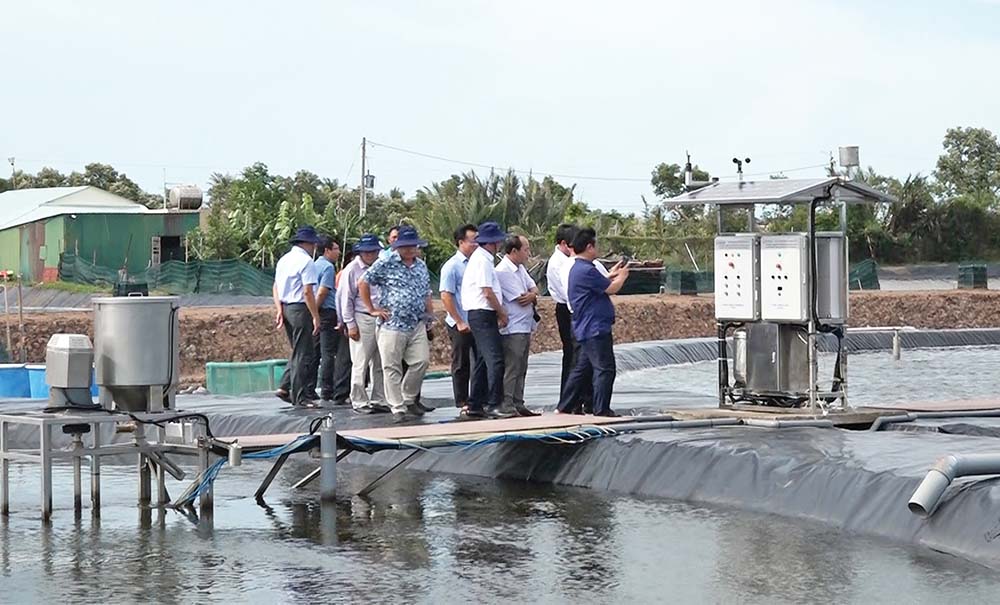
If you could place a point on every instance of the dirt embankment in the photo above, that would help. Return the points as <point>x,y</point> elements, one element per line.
<point>248,334</point>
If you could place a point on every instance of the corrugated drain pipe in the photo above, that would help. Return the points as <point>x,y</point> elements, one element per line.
<point>925,499</point>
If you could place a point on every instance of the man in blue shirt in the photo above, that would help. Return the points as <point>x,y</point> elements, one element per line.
<point>593,315</point>
<point>404,310</point>
<point>463,346</point>
<point>327,342</point>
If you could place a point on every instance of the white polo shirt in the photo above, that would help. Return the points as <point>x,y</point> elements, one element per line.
<point>294,271</point>
<point>565,274</point>
<point>555,276</point>
<point>515,281</point>
<point>479,274</point>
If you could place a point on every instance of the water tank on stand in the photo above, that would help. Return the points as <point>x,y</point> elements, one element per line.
<point>137,352</point>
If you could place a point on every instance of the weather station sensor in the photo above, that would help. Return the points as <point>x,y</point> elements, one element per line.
<point>776,294</point>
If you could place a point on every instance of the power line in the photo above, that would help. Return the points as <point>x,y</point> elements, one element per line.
<point>488,167</point>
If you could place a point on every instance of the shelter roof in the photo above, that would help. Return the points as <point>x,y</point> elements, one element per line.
<point>781,191</point>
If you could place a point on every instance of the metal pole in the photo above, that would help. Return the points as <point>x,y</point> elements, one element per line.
<point>328,460</point>
<point>6,320</point>
<point>145,478</point>
<point>896,346</point>
<point>162,498</point>
<point>20,319</point>
<point>45,451</point>
<point>95,470</point>
<point>846,291</point>
<point>811,307</point>
<point>206,500</point>
<point>77,476</point>
<point>4,472</point>
<point>364,200</point>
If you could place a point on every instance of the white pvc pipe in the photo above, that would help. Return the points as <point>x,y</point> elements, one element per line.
<point>927,496</point>
<point>783,424</point>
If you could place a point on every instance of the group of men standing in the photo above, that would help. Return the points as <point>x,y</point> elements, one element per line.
<point>490,317</point>
<point>379,312</point>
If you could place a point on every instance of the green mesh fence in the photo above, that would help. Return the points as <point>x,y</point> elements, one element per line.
<point>864,276</point>
<point>177,277</point>
<point>972,276</point>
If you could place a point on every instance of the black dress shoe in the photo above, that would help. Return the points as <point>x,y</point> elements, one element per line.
<point>414,409</point>
<point>496,412</point>
<point>422,407</point>
<point>473,413</point>
<point>398,417</point>
<point>524,412</point>
<point>609,414</point>
<point>283,395</point>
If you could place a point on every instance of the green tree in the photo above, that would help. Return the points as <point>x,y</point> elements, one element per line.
<point>668,179</point>
<point>970,165</point>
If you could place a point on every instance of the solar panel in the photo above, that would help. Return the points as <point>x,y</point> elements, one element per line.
<point>779,191</point>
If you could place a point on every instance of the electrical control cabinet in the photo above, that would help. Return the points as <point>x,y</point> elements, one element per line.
<point>784,278</point>
<point>737,292</point>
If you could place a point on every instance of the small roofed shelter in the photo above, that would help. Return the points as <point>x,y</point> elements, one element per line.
<point>38,225</point>
<point>803,278</point>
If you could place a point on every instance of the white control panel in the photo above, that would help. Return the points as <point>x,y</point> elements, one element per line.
<point>784,278</point>
<point>736,278</point>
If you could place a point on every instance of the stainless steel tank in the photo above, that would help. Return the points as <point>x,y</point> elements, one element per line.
<point>137,351</point>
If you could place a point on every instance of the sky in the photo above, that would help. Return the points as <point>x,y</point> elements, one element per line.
<point>174,91</point>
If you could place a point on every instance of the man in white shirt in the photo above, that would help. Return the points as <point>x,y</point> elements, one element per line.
<point>294,297</point>
<point>556,280</point>
<point>481,298</point>
<point>519,297</point>
<point>362,330</point>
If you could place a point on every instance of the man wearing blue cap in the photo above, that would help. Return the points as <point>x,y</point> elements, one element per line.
<point>294,296</point>
<point>405,310</point>
<point>481,298</point>
<point>362,329</point>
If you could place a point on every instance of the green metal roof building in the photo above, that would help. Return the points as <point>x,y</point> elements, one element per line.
<point>38,225</point>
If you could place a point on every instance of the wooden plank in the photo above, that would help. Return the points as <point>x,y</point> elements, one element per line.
<point>479,427</point>
<point>550,421</point>
<point>446,429</point>
<point>968,405</point>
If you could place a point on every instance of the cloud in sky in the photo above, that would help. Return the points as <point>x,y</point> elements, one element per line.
<point>582,88</point>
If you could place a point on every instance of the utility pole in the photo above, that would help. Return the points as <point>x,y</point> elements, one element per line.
<point>364,201</point>
<point>13,173</point>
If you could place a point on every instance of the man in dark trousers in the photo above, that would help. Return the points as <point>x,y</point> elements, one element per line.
<point>554,277</point>
<point>482,298</point>
<point>593,316</point>
<point>296,311</point>
<point>327,343</point>
<point>463,349</point>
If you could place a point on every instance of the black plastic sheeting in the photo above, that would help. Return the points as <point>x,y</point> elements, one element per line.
<point>659,353</point>
<point>853,480</point>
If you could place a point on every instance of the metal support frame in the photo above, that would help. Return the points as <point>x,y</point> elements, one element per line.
<point>816,397</point>
<point>401,464</point>
<point>151,460</point>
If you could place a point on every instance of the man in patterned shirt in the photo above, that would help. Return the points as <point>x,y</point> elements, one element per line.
<point>404,310</point>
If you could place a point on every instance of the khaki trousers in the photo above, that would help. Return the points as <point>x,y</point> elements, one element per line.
<point>364,354</point>
<point>396,347</point>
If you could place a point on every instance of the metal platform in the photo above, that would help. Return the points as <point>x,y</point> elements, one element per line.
<point>150,454</point>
